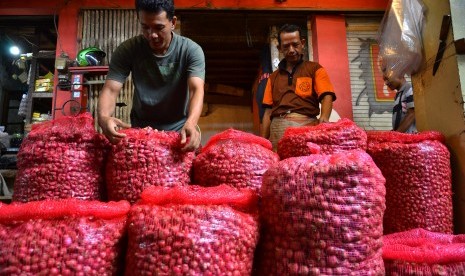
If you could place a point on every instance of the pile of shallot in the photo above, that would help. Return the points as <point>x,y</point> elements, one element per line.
<point>62,237</point>
<point>324,138</point>
<point>235,158</point>
<point>322,215</point>
<point>418,180</point>
<point>193,230</point>
<point>144,158</point>
<point>422,252</point>
<point>62,158</point>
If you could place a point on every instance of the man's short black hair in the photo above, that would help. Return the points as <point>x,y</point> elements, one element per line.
<point>288,28</point>
<point>156,6</point>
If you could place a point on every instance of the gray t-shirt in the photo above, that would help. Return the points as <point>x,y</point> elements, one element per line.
<point>402,102</point>
<point>161,95</point>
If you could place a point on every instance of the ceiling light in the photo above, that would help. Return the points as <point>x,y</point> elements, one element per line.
<point>14,50</point>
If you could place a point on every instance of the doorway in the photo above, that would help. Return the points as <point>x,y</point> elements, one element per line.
<point>30,34</point>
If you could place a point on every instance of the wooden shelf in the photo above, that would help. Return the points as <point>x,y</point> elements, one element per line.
<point>90,70</point>
<point>39,101</point>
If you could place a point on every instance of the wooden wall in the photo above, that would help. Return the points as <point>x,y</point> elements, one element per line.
<point>439,98</point>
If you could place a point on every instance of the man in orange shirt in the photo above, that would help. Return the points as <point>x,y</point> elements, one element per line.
<point>294,91</point>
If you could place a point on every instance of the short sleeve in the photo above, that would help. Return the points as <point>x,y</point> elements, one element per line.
<point>120,65</point>
<point>267,95</point>
<point>409,98</point>
<point>196,62</point>
<point>322,82</point>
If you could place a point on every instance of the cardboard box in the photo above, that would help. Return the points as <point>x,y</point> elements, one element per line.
<point>43,85</point>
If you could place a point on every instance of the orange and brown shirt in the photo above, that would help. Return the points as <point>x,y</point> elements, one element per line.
<point>299,91</point>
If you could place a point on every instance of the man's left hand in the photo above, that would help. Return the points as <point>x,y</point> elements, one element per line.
<point>323,120</point>
<point>190,137</point>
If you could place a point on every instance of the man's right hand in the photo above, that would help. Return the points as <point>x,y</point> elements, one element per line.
<point>110,127</point>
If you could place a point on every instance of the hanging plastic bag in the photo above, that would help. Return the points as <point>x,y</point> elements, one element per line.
<point>399,37</point>
<point>22,111</point>
<point>4,187</point>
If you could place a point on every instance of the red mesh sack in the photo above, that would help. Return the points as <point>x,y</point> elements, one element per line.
<point>62,237</point>
<point>379,136</point>
<point>192,230</point>
<point>146,157</point>
<point>418,180</point>
<point>424,253</point>
<point>324,138</point>
<point>235,158</point>
<point>233,134</point>
<point>62,158</point>
<point>322,215</point>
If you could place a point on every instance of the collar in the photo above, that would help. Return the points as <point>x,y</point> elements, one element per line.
<point>406,86</point>
<point>282,64</point>
<point>170,46</point>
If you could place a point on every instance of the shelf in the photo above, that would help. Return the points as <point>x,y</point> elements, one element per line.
<point>42,94</point>
<point>39,101</point>
<point>90,70</point>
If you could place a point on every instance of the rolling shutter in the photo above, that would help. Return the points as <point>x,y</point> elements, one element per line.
<point>371,110</point>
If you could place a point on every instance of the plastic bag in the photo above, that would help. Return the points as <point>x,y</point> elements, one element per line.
<point>4,187</point>
<point>22,111</point>
<point>399,37</point>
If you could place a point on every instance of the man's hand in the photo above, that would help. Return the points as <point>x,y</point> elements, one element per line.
<point>323,120</point>
<point>407,121</point>
<point>110,127</point>
<point>193,132</point>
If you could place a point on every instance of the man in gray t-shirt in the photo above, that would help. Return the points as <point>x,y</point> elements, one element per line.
<point>168,72</point>
<point>403,112</point>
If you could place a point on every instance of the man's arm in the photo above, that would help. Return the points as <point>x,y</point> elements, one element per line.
<point>190,128</point>
<point>106,108</point>
<point>266,122</point>
<point>407,121</point>
<point>326,108</point>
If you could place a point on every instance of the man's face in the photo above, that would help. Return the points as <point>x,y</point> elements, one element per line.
<point>156,28</point>
<point>391,81</point>
<point>291,46</point>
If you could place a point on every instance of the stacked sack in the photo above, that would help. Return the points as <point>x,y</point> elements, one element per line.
<point>192,230</point>
<point>146,157</point>
<point>418,180</point>
<point>325,138</point>
<point>62,237</point>
<point>422,252</point>
<point>322,215</point>
<point>235,158</point>
<point>62,158</point>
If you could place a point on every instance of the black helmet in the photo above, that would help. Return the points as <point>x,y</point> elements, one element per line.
<point>90,56</point>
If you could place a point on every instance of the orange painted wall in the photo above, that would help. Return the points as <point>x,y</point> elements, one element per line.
<point>18,7</point>
<point>328,31</point>
<point>330,50</point>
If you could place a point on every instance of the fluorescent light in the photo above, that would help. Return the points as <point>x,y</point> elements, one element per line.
<point>14,50</point>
